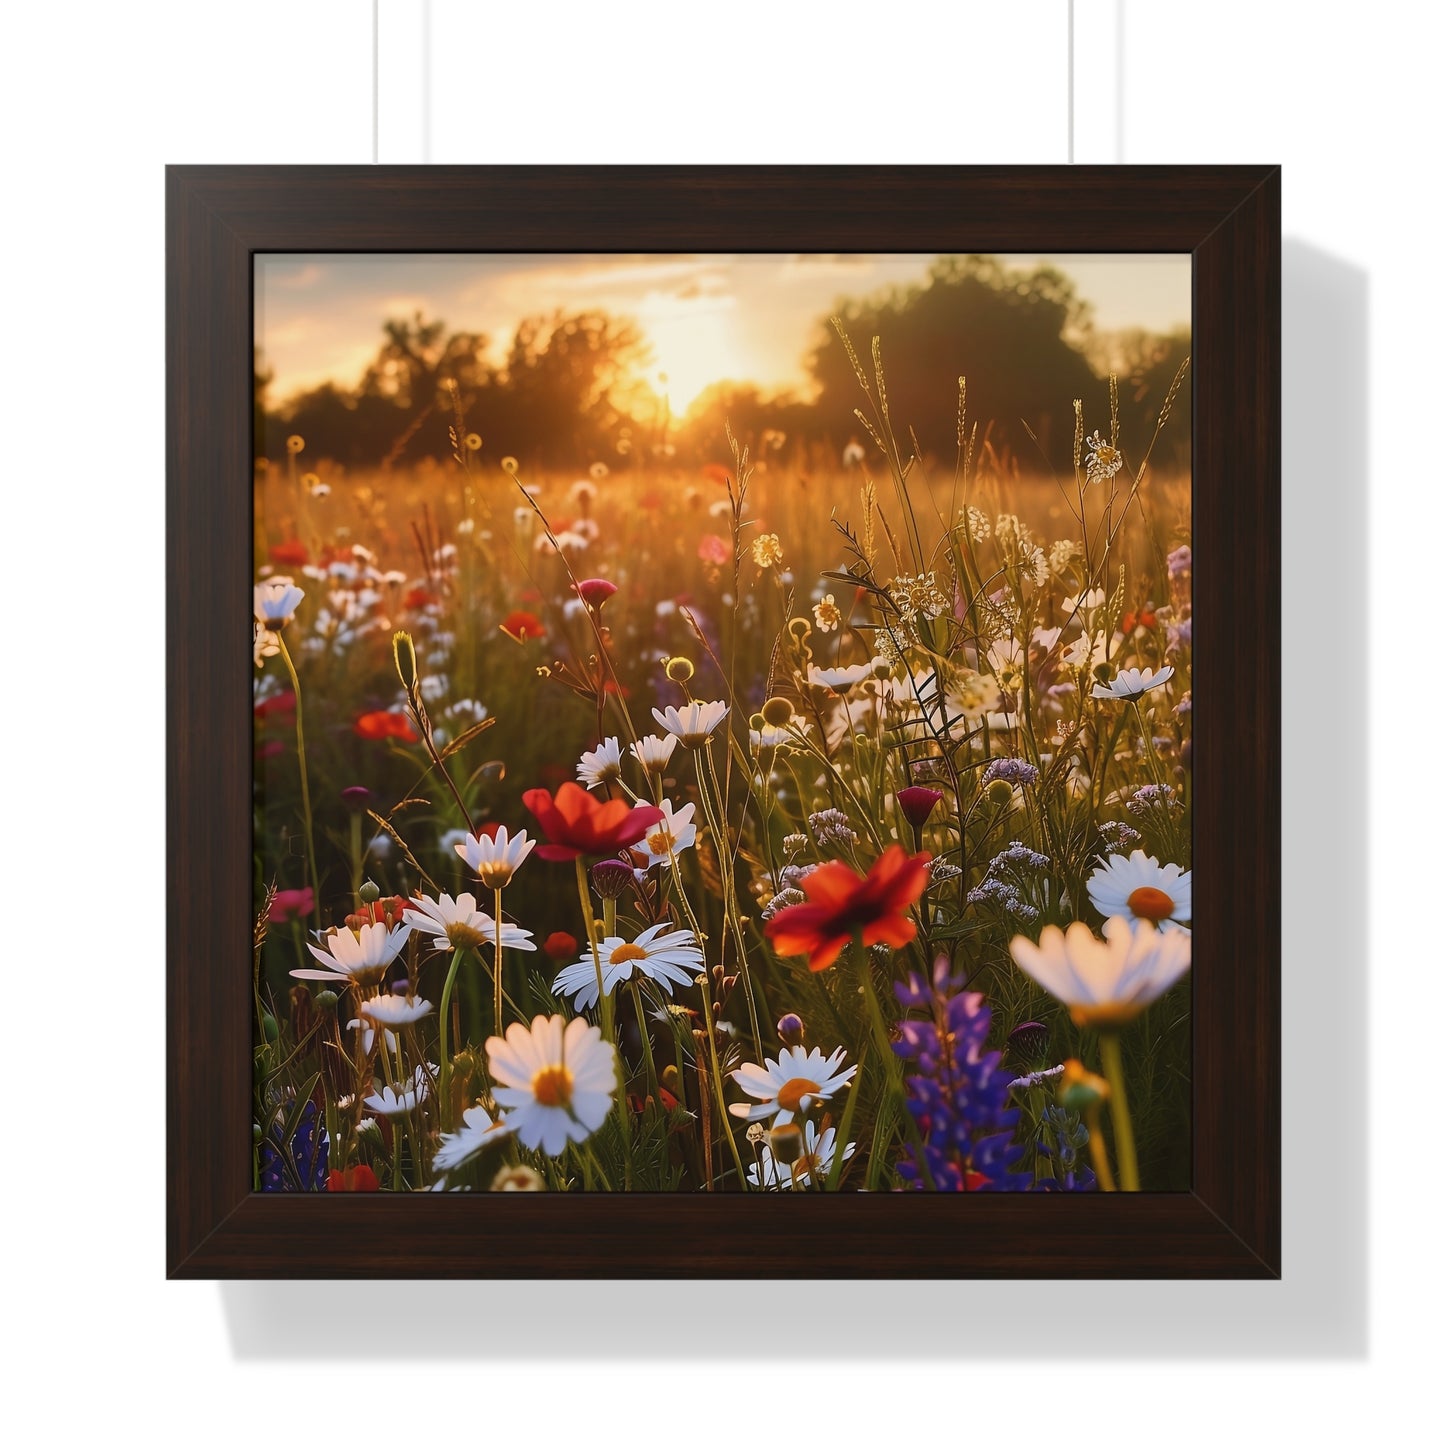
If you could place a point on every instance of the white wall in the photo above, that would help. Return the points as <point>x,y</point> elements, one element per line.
<point>99,96</point>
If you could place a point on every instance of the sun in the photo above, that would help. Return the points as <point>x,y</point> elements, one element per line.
<point>694,344</point>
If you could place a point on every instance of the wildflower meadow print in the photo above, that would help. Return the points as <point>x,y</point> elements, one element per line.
<point>722,723</point>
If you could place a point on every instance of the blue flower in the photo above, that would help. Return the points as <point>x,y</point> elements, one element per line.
<point>956,1091</point>
<point>302,1167</point>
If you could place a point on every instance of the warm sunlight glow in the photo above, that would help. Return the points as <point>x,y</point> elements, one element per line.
<point>693,346</point>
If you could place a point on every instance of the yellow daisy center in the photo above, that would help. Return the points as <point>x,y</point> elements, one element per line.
<point>1151,903</point>
<point>794,1092</point>
<point>659,842</point>
<point>462,935</point>
<point>552,1087</point>
<point>627,953</point>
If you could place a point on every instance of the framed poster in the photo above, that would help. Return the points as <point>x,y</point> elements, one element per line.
<point>715,745</point>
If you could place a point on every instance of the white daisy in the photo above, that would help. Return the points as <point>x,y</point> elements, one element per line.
<point>842,678</point>
<point>790,1084</point>
<point>395,1011</point>
<point>391,1102</point>
<point>1141,887</point>
<point>670,835</point>
<point>494,860</point>
<point>478,1130</point>
<point>555,1082</point>
<point>653,752</point>
<point>1132,683</point>
<point>368,1035</point>
<point>1006,658</point>
<point>817,1158</point>
<point>694,723</point>
<point>768,736</point>
<point>1085,603</point>
<point>1105,982</point>
<point>458,923</point>
<point>1087,652</point>
<point>600,766</point>
<point>360,957</point>
<point>264,644</point>
<point>662,955</point>
<point>275,601</point>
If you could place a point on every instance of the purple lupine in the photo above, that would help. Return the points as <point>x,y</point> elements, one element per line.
<point>294,1157</point>
<point>956,1090</point>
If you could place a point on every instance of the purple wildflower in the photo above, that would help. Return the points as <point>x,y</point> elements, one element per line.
<point>1180,560</point>
<point>957,1093</point>
<point>1119,837</point>
<point>294,1155</point>
<point>1150,797</point>
<point>1009,770</point>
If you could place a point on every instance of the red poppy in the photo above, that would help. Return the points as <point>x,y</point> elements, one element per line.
<point>1131,620</point>
<point>416,598</point>
<point>576,823</point>
<point>289,554</point>
<point>715,472</point>
<point>714,550</point>
<point>377,725</point>
<point>359,1179</point>
<point>291,903</point>
<point>519,626</point>
<point>560,947</point>
<point>278,702</point>
<point>842,906</point>
<point>274,749</point>
<point>384,910</point>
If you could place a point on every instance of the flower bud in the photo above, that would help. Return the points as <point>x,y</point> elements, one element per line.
<point>1079,1089</point>
<point>520,1178</point>
<point>594,591</point>
<point>679,669</point>
<point>403,652</point>
<point>777,712</point>
<point>1000,793</point>
<point>368,892</point>
<point>790,1030</point>
<point>786,1142</point>
<point>325,1001</point>
<point>917,803</point>
<point>270,1029</point>
<point>611,878</point>
<point>1028,1045</point>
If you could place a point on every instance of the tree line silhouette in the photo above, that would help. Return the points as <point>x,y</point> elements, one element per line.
<point>570,389</point>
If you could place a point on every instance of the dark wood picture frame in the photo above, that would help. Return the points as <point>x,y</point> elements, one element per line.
<point>1227,218</point>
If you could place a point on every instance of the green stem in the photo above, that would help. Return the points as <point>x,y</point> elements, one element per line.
<point>609,1027</point>
<point>1097,1152</point>
<point>305,780</point>
<point>497,964</point>
<point>646,1041</point>
<point>443,1041</point>
<point>1112,1057</point>
<point>717,1078</point>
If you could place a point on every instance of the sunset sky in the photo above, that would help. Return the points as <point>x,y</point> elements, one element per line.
<point>707,318</point>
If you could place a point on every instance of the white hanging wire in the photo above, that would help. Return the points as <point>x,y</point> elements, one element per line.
<point>1071,82</point>
<point>376,80</point>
